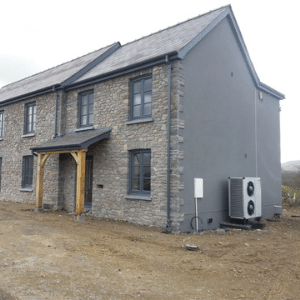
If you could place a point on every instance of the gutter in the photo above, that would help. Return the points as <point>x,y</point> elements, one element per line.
<point>30,95</point>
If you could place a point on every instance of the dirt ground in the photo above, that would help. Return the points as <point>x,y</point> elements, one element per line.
<point>52,256</point>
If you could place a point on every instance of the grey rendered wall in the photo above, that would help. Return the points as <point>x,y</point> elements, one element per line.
<point>268,153</point>
<point>220,102</point>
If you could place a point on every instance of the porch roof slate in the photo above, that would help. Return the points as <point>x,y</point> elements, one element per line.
<point>74,141</point>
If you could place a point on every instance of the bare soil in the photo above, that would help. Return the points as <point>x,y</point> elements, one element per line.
<point>52,256</point>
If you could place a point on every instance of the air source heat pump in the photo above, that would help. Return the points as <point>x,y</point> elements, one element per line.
<point>244,197</point>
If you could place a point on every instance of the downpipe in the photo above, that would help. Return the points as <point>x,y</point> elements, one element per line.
<point>56,104</point>
<point>168,146</point>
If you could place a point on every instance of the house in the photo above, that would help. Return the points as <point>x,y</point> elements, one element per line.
<point>123,131</point>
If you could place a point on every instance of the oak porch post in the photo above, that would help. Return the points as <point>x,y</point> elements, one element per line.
<point>81,156</point>
<point>40,179</point>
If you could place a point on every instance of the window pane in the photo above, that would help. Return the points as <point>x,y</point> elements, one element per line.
<point>136,171</point>
<point>137,99</point>
<point>91,98</point>
<point>137,111</point>
<point>147,159</point>
<point>91,119</point>
<point>91,108</point>
<point>136,183</point>
<point>137,87</point>
<point>147,97</point>
<point>84,110</point>
<point>84,100</point>
<point>29,127</point>
<point>146,186</point>
<point>136,159</point>
<point>148,85</point>
<point>27,171</point>
<point>147,172</point>
<point>147,109</point>
<point>84,120</point>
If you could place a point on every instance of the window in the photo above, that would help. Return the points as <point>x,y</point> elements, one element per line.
<point>0,171</point>
<point>141,98</point>
<point>86,109</point>
<point>27,171</point>
<point>1,124</point>
<point>30,115</point>
<point>140,172</point>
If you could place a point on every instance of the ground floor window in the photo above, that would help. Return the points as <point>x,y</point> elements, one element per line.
<point>140,172</point>
<point>27,171</point>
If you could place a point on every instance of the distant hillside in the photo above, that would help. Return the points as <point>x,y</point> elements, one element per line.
<point>291,166</point>
<point>290,173</point>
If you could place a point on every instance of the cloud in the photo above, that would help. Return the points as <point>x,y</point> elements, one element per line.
<point>14,68</point>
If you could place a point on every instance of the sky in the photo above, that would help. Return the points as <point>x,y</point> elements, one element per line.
<point>37,35</point>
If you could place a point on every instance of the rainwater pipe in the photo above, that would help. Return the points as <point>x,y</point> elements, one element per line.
<point>56,104</point>
<point>168,145</point>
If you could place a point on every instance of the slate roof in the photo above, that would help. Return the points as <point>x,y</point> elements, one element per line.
<point>172,39</point>
<point>111,61</point>
<point>74,141</point>
<point>50,77</point>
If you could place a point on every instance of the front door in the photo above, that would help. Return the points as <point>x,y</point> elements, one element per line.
<point>88,192</point>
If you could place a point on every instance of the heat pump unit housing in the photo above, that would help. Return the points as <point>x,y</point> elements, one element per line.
<point>244,197</point>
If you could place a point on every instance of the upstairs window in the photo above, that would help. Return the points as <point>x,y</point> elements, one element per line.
<point>1,124</point>
<point>30,116</point>
<point>141,98</point>
<point>86,109</point>
<point>27,171</point>
<point>140,172</point>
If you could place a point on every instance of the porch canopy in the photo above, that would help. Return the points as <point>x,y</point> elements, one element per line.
<point>77,145</point>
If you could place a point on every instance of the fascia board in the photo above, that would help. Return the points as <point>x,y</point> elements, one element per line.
<point>189,46</point>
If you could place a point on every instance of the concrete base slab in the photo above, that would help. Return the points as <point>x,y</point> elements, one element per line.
<point>39,210</point>
<point>81,218</point>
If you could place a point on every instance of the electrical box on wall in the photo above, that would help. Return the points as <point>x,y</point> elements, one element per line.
<point>198,187</point>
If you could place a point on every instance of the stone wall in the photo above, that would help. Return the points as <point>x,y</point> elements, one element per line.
<point>15,145</point>
<point>110,157</point>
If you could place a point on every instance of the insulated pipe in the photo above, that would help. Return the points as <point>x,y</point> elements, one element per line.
<point>168,146</point>
<point>56,104</point>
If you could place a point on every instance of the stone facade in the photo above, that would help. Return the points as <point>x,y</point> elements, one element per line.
<point>110,157</point>
<point>15,145</point>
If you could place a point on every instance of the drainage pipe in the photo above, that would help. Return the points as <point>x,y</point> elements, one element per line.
<point>168,146</point>
<point>56,104</point>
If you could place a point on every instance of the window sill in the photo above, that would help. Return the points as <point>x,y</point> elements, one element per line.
<point>138,197</point>
<point>84,128</point>
<point>137,121</point>
<point>26,190</point>
<point>1,139</point>
<point>28,135</point>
